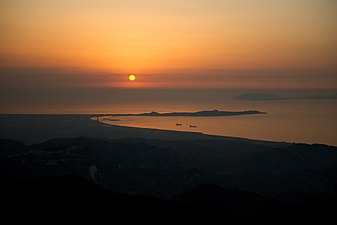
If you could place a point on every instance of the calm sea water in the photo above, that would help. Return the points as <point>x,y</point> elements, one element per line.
<point>306,121</point>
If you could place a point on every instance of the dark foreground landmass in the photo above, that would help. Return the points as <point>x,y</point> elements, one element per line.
<point>183,175</point>
<point>68,198</point>
<point>207,113</point>
<point>164,168</point>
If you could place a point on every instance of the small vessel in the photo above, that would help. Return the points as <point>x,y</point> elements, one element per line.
<point>193,126</point>
<point>178,124</point>
<point>111,119</point>
<point>115,120</point>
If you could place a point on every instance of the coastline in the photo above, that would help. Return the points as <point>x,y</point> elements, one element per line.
<point>32,129</point>
<point>192,130</point>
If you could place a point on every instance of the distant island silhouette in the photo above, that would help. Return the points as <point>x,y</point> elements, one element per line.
<point>260,97</point>
<point>206,113</point>
<point>320,97</point>
<point>274,97</point>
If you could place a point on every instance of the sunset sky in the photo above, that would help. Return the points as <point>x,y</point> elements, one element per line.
<point>169,44</point>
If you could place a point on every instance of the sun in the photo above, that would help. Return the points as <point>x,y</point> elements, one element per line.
<point>132,77</point>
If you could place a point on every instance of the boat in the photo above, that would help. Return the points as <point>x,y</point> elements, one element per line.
<point>111,119</point>
<point>178,124</point>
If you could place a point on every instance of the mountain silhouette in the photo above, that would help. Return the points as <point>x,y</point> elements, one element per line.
<point>72,197</point>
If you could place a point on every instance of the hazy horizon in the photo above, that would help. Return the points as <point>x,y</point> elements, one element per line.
<point>30,100</point>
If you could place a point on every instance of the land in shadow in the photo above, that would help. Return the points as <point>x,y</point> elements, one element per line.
<point>72,197</point>
<point>164,168</point>
<point>180,173</point>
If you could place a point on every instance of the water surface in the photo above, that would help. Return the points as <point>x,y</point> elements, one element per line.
<point>307,121</point>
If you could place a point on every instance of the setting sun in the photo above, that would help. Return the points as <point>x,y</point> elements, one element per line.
<point>234,103</point>
<point>132,77</point>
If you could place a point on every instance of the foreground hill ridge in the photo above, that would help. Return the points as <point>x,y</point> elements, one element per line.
<point>204,203</point>
<point>189,174</point>
<point>164,168</point>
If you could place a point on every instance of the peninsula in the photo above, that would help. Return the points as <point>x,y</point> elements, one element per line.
<point>206,113</point>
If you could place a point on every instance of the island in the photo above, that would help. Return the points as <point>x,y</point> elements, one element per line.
<point>206,113</point>
<point>260,97</point>
<point>321,97</point>
<point>274,97</point>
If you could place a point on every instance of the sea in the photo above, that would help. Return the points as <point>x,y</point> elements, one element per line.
<point>297,118</point>
<point>295,121</point>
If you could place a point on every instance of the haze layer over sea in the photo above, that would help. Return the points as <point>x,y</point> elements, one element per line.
<point>302,116</point>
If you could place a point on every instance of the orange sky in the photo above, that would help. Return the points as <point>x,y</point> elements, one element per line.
<point>192,43</point>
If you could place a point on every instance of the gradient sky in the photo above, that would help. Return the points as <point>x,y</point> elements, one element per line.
<point>168,44</point>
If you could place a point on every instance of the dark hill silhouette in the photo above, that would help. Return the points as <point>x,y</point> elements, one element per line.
<point>251,177</point>
<point>164,168</point>
<point>238,203</point>
<point>10,147</point>
<point>78,198</point>
<point>70,197</point>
